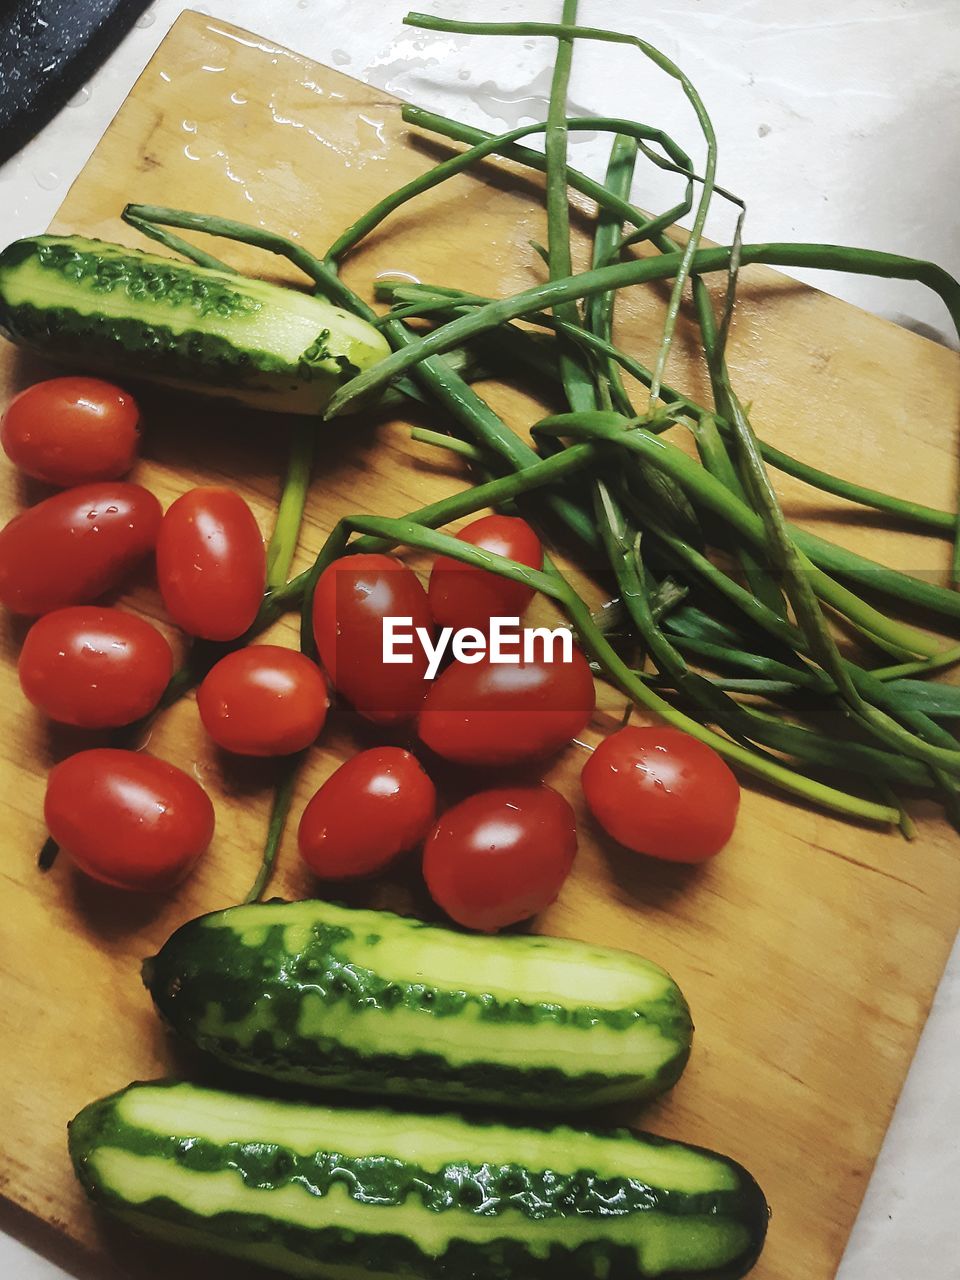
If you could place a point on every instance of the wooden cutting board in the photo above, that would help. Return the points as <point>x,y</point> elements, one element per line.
<point>809,951</point>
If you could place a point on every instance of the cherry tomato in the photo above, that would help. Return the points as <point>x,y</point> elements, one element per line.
<point>75,546</point>
<point>72,431</point>
<point>500,856</point>
<point>128,819</point>
<point>464,596</point>
<point>211,565</point>
<point>661,792</point>
<point>376,806</point>
<point>353,597</point>
<point>263,701</point>
<point>95,668</point>
<point>494,713</point>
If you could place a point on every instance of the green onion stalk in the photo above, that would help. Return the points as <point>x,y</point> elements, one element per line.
<point>419,300</point>
<point>545,296</point>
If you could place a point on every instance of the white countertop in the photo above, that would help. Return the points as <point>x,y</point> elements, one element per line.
<point>838,123</point>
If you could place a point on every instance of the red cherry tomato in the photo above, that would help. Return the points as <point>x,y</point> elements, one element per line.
<point>500,856</point>
<point>128,819</point>
<point>211,565</point>
<point>263,701</point>
<point>492,713</point>
<point>464,596</point>
<point>95,668</point>
<point>376,806</point>
<point>353,597</point>
<point>661,792</point>
<point>72,431</point>
<point>73,547</point>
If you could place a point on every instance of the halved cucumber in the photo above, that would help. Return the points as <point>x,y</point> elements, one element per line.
<point>128,313</point>
<point>357,1195</point>
<point>317,994</point>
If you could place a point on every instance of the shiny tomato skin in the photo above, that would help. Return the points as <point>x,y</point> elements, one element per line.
<point>75,546</point>
<point>211,563</point>
<point>353,596</point>
<point>462,595</point>
<point>128,819</point>
<point>490,713</point>
<point>69,431</point>
<point>661,792</point>
<point>263,701</point>
<point>500,856</point>
<point>94,668</point>
<point>377,805</point>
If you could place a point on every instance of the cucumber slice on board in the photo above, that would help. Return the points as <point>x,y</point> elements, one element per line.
<point>125,312</point>
<point>364,1195</point>
<point>315,994</point>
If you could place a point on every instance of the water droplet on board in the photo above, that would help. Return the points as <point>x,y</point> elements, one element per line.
<point>188,126</point>
<point>47,179</point>
<point>463,75</point>
<point>339,57</point>
<point>406,276</point>
<point>238,99</point>
<point>146,19</point>
<point>377,127</point>
<point>80,97</point>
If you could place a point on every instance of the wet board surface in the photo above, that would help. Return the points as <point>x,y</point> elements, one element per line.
<point>809,951</point>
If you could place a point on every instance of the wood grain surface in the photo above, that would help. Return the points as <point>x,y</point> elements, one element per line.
<point>809,950</point>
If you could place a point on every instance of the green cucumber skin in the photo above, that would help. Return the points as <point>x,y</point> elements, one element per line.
<point>243,1004</point>
<point>482,1212</point>
<point>128,313</point>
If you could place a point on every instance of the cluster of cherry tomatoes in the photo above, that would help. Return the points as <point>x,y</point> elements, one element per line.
<point>134,821</point>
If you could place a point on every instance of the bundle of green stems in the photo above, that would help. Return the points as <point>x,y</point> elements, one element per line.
<point>697,552</point>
